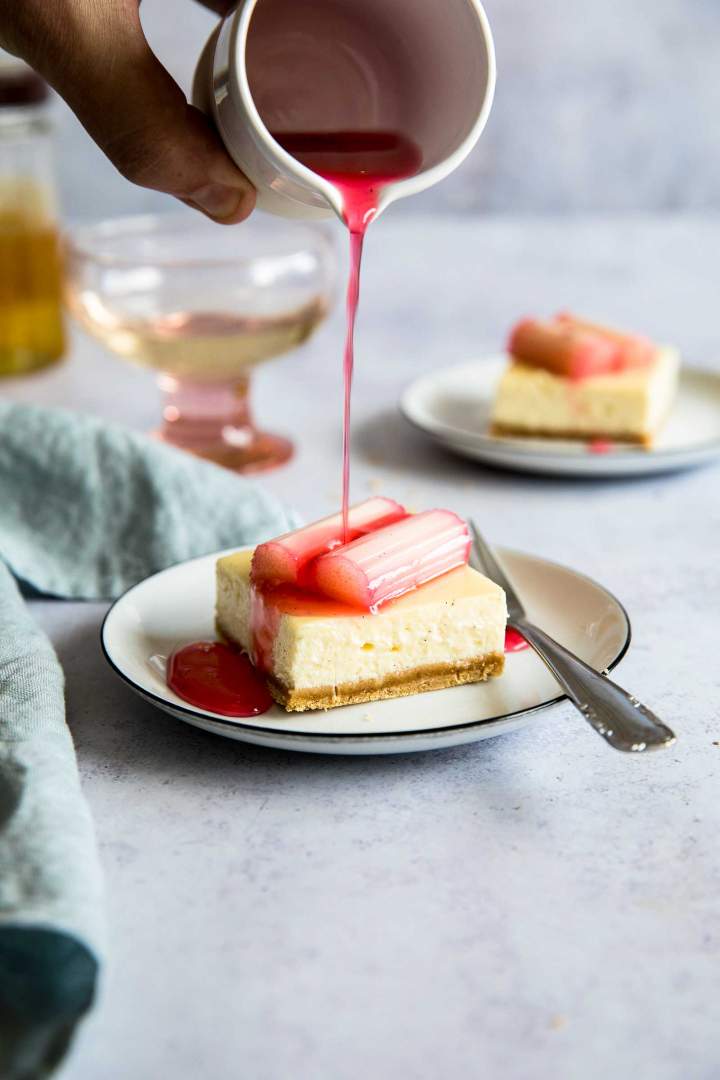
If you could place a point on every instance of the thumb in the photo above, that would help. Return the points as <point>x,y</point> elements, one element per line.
<point>139,117</point>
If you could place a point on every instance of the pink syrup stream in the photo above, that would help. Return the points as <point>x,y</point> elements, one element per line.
<point>357,240</point>
<point>359,164</point>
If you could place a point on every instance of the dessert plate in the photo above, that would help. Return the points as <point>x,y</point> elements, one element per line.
<point>453,406</point>
<point>176,606</point>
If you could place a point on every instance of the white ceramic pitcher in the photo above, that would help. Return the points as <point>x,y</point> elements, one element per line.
<point>424,67</point>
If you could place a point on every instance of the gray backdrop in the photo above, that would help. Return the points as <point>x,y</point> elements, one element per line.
<point>611,106</point>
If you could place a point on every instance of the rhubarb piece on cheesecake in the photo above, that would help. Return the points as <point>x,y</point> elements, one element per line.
<point>573,379</point>
<point>393,612</point>
<point>283,561</point>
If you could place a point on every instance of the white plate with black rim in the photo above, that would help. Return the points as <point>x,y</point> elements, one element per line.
<point>176,606</point>
<point>453,405</point>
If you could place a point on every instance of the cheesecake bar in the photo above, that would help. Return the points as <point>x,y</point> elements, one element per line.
<point>318,651</point>
<point>571,379</point>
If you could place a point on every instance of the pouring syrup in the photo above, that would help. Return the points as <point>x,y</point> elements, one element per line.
<point>359,164</point>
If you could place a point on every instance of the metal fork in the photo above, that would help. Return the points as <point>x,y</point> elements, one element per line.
<point>623,721</point>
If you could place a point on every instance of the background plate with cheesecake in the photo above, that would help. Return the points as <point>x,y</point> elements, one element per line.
<point>454,406</point>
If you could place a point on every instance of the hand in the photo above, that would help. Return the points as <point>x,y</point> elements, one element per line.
<point>94,53</point>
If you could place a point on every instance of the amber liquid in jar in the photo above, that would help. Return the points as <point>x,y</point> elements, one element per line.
<point>31,324</point>
<point>31,320</point>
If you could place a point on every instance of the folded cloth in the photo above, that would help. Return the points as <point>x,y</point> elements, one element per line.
<point>86,510</point>
<point>50,886</point>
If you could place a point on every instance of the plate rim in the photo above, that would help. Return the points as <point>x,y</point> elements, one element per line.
<point>513,447</point>
<point>344,737</point>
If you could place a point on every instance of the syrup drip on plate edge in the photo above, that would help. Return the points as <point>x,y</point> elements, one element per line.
<point>213,676</point>
<point>514,641</point>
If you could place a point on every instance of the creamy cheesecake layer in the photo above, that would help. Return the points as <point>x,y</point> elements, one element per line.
<point>629,406</point>
<point>450,630</point>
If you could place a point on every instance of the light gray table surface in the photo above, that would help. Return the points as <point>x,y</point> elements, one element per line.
<point>536,907</point>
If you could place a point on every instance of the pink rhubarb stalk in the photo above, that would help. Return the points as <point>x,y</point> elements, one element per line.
<point>282,561</point>
<point>634,350</point>
<point>563,349</point>
<point>394,560</point>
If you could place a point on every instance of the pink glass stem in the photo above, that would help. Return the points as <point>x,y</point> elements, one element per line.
<point>214,421</point>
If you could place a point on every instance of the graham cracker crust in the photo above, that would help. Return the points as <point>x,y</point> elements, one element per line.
<point>645,440</point>
<point>405,684</point>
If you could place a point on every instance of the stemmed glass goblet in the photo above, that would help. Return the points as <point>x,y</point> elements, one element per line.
<point>203,304</point>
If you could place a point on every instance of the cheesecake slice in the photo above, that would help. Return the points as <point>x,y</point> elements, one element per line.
<point>318,653</point>
<point>569,379</point>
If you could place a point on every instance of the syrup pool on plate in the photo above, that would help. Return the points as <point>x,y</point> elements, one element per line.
<point>359,164</point>
<point>514,641</point>
<point>600,446</point>
<point>211,675</point>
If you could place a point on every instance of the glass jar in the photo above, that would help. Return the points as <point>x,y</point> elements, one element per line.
<point>31,320</point>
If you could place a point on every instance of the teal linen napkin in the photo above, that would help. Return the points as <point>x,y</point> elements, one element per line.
<point>86,510</point>
<point>50,885</point>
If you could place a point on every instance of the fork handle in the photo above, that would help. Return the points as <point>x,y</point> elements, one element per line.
<point>624,722</point>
